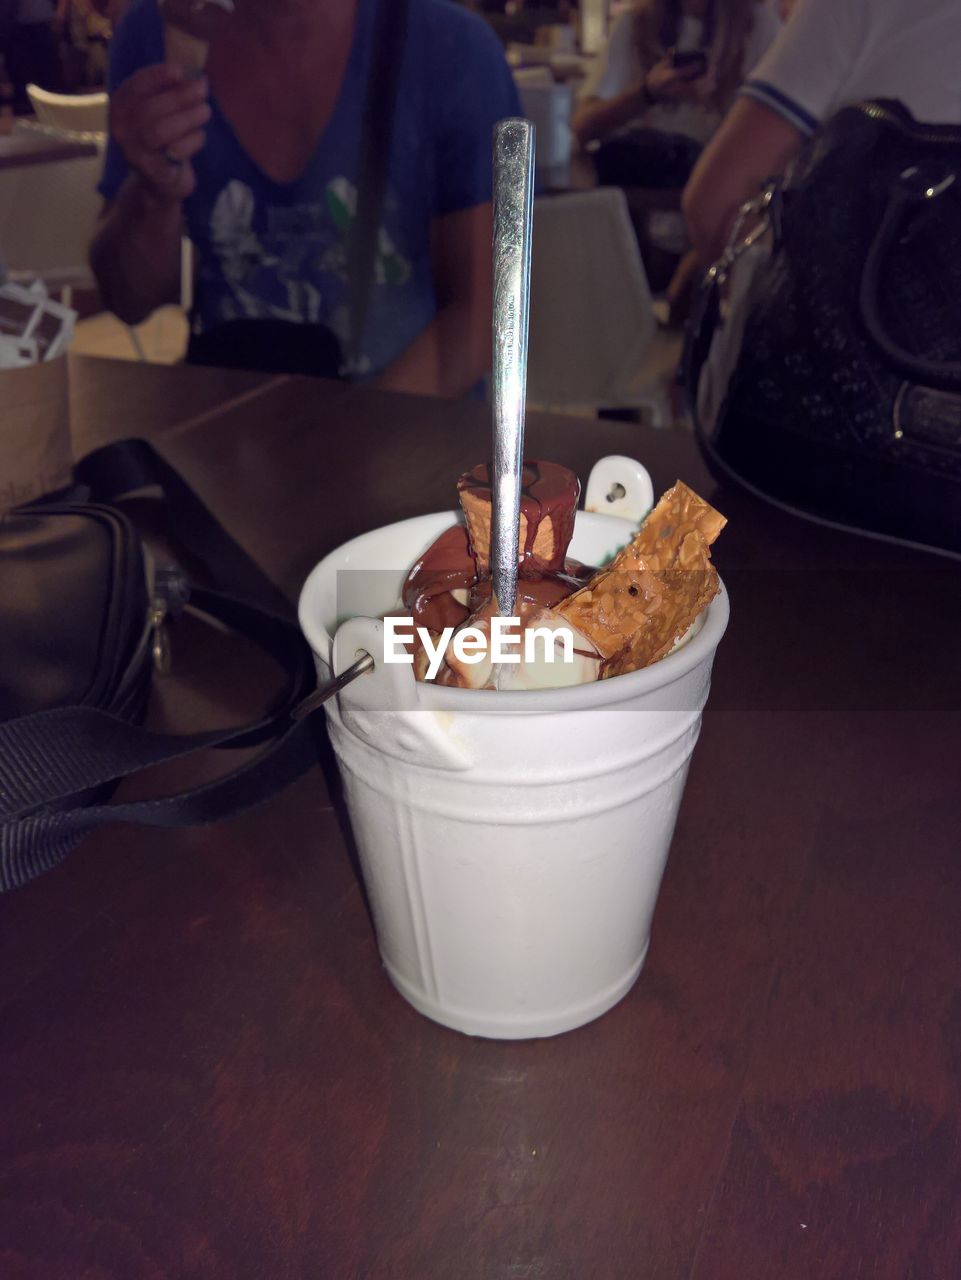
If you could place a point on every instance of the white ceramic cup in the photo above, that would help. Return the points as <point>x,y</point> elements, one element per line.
<point>512,844</point>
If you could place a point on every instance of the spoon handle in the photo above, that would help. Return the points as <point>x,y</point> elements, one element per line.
<point>332,686</point>
<point>513,212</point>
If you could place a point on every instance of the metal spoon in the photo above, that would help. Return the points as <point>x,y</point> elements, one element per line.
<point>513,213</point>
<point>320,695</point>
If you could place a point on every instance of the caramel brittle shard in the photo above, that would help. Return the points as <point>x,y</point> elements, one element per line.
<point>663,536</point>
<point>645,600</point>
<point>684,594</point>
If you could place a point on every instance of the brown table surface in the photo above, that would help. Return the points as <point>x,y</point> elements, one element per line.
<point>22,147</point>
<point>206,1074</point>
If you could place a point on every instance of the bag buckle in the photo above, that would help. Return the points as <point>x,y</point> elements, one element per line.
<point>160,649</point>
<point>170,596</point>
<point>926,181</point>
<point>739,242</point>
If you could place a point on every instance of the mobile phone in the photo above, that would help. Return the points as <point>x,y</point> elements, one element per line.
<point>692,58</point>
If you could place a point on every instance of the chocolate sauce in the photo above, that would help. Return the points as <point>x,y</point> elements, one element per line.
<point>537,589</point>
<point>447,565</point>
<point>547,490</point>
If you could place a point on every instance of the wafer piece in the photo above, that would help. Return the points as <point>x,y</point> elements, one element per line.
<point>188,27</point>
<point>478,513</point>
<point>188,51</point>
<point>636,609</point>
<point>548,505</point>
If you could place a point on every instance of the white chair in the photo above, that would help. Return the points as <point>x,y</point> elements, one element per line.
<point>594,340</point>
<point>78,112</point>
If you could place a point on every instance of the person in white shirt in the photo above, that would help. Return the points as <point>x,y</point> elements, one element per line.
<point>637,81</point>
<point>832,53</point>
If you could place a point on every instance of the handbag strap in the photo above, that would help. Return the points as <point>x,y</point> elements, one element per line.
<point>36,843</point>
<point>52,755</point>
<point>754,219</point>
<point>54,758</point>
<point>390,32</point>
<point>125,466</point>
<point>703,324</point>
<point>916,187</point>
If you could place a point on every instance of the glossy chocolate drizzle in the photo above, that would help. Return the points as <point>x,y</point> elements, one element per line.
<point>447,565</point>
<point>450,564</point>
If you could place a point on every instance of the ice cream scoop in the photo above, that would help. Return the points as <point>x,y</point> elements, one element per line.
<point>546,653</point>
<point>189,26</point>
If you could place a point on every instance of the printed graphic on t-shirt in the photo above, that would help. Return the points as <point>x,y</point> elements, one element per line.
<point>283,271</point>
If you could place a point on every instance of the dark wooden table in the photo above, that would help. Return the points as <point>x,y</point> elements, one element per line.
<point>22,147</point>
<point>206,1074</point>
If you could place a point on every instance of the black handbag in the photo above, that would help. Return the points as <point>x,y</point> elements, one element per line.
<point>844,404</point>
<point>83,622</point>
<point>646,158</point>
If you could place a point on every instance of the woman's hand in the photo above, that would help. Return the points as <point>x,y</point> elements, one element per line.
<point>157,118</point>
<point>667,83</point>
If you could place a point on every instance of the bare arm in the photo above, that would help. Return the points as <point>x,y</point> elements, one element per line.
<point>157,119</point>
<point>752,145</point>
<point>596,118</point>
<point>135,252</point>
<point>454,351</point>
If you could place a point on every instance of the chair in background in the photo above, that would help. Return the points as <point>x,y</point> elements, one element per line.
<point>594,338</point>
<point>76,112</point>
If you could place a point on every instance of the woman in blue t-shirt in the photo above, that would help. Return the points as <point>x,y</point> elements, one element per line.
<point>257,162</point>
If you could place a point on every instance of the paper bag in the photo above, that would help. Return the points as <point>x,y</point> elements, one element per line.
<point>35,448</point>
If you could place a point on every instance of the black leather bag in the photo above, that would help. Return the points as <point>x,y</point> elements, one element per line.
<point>646,158</point>
<point>845,400</point>
<point>269,346</point>
<point>83,623</point>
